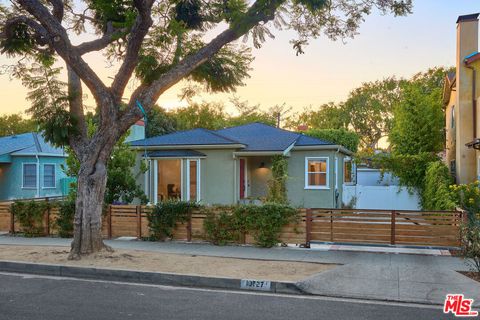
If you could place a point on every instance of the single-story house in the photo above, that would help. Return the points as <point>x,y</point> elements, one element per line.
<point>233,165</point>
<point>31,168</point>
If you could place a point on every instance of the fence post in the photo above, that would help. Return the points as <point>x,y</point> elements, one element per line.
<point>47,218</point>
<point>392,236</point>
<point>12,221</point>
<point>331,226</point>
<point>189,227</point>
<point>139,221</point>
<point>109,218</point>
<point>308,222</point>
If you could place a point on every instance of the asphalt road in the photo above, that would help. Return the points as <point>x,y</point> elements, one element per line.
<point>49,298</point>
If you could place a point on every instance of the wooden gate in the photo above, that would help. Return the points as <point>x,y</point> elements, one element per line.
<point>432,228</point>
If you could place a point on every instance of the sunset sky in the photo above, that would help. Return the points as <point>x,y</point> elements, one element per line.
<point>328,71</point>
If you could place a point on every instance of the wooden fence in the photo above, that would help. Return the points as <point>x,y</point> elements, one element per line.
<point>432,228</point>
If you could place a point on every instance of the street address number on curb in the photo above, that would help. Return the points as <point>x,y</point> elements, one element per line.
<point>256,285</point>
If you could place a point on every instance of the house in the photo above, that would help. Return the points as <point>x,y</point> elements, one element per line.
<point>31,168</point>
<point>460,99</point>
<point>233,165</point>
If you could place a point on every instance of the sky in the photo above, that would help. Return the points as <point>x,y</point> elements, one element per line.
<point>328,71</point>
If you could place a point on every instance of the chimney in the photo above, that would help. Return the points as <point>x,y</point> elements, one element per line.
<point>302,127</point>
<point>467,43</point>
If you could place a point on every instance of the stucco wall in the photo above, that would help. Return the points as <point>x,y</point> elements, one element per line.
<point>298,195</point>
<point>11,178</point>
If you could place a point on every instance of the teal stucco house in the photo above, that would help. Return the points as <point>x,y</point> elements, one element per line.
<point>233,165</point>
<point>31,168</point>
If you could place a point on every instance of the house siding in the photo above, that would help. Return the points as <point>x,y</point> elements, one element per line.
<point>298,195</point>
<point>11,178</point>
<point>219,173</point>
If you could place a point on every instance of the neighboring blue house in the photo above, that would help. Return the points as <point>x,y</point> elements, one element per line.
<point>31,168</point>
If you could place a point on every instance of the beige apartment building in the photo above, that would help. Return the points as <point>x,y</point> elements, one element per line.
<point>460,98</point>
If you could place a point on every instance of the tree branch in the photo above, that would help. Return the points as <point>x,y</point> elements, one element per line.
<point>75,96</point>
<point>101,43</point>
<point>260,11</point>
<point>140,29</point>
<point>41,35</point>
<point>58,9</point>
<point>61,43</point>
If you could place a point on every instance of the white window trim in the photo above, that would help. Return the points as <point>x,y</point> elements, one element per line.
<point>54,176</point>
<point>23,176</point>
<point>198,179</point>
<point>325,187</point>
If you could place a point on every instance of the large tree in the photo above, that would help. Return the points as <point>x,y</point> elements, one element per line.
<point>160,43</point>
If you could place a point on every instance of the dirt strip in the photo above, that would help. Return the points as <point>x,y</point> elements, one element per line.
<point>170,263</point>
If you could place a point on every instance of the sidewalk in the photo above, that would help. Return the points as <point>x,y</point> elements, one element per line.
<point>380,276</point>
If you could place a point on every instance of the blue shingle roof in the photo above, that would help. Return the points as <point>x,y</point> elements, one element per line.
<point>261,137</point>
<point>190,137</point>
<point>304,140</point>
<point>27,143</point>
<point>254,136</point>
<point>174,153</point>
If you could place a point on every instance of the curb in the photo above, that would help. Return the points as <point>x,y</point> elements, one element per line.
<point>156,278</point>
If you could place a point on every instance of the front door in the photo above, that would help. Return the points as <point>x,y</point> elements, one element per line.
<point>242,179</point>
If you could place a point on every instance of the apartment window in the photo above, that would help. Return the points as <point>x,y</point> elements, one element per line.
<point>29,175</point>
<point>49,176</point>
<point>316,173</point>
<point>452,124</point>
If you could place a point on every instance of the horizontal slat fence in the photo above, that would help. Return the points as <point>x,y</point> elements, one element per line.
<point>420,228</point>
<point>424,228</point>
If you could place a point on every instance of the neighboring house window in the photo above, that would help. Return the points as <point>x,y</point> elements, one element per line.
<point>453,117</point>
<point>49,176</point>
<point>348,171</point>
<point>29,175</point>
<point>316,173</point>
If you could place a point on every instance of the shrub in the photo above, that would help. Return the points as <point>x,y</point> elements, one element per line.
<point>165,215</point>
<point>221,228</point>
<point>277,190</point>
<point>265,222</point>
<point>436,193</point>
<point>343,137</point>
<point>30,214</point>
<point>471,244</point>
<point>65,218</point>
<point>467,197</point>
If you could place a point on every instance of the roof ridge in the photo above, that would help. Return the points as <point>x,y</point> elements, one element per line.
<point>37,143</point>
<point>214,132</point>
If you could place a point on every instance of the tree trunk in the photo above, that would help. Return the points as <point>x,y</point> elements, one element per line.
<point>88,210</point>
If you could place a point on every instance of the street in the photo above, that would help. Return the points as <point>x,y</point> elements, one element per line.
<point>49,298</point>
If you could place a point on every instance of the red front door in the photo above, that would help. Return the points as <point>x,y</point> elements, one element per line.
<point>242,178</point>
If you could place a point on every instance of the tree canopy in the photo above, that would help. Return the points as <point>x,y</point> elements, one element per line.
<point>11,124</point>
<point>155,45</point>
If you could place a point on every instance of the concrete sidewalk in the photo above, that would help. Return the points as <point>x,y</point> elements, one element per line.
<point>380,276</point>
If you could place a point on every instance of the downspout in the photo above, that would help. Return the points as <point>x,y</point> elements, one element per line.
<point>336,183</point>
<point>38,176</point>
<point>474,101</point>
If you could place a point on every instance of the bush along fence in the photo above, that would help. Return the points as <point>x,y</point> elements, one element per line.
<point>264,225</point>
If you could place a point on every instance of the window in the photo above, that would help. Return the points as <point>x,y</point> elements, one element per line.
<point>452,124</point>
<point>49,176</point>
<point>193,180</point>
<point>348,171</point>
<point>169,180</point>
<point>316,173</point>
<point>29,175</point>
